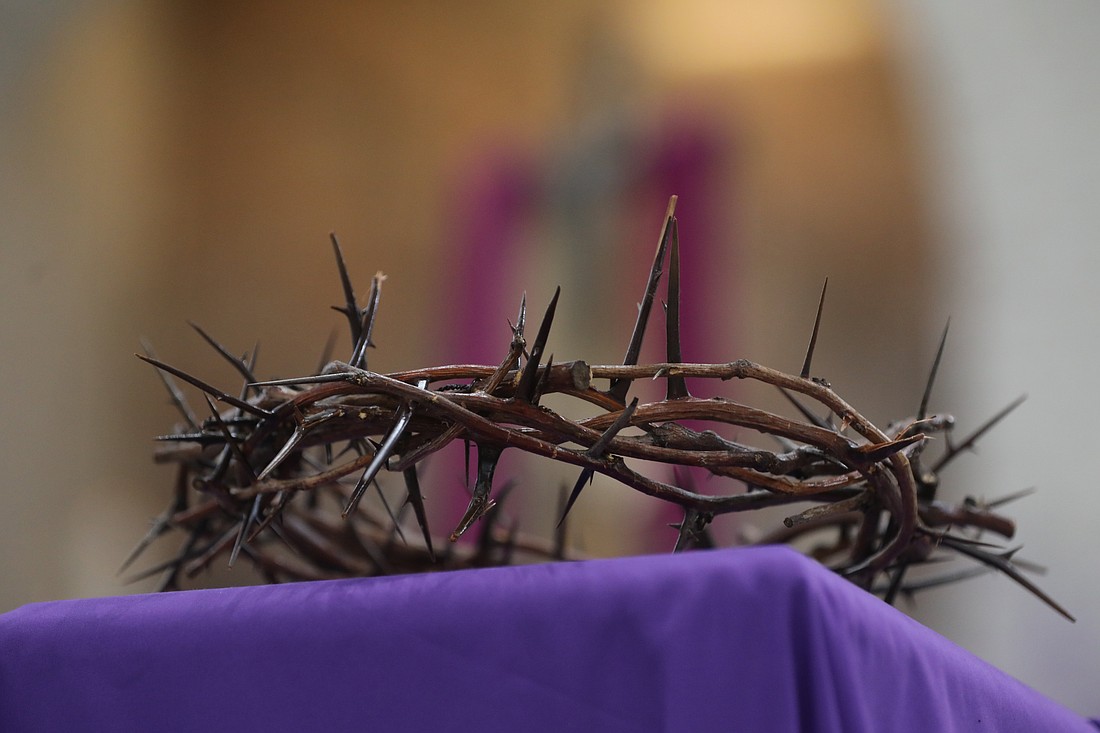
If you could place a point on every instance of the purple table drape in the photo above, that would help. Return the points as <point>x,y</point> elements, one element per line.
<point>754,639</point>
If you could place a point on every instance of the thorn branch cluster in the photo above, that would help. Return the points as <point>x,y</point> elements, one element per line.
<point>282,471</point>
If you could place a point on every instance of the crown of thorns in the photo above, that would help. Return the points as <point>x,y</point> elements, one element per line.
<point>280,472</point>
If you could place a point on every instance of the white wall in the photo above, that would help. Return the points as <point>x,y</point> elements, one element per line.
<point>1006,99</point>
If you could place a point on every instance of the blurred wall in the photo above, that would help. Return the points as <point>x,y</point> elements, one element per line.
<point>1005,102</point>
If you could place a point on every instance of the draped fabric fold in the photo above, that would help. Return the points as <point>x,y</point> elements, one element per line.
<point>749,639</point>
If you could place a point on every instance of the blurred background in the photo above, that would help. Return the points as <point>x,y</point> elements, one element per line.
<point>161,162</point>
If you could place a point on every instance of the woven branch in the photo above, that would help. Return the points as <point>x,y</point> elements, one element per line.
<point>288,463</point>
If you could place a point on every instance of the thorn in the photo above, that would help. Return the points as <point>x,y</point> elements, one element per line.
<point>816,420</point>
<point>383,452</point>
<point>416,498</point>
<point>351,307</point>
<point>1004,564</point>
<point>359,355</point>
<point>291,443</point>
<point>619,387</point>
<point>583,480</point>
<point>160,525</point>
<point>518,342</point>
<point>675,384</point>
<point>922,412</point>
<point>895,584</point>
<point>973,437</point>
<point>173,390</point>
<point>247,522</point>
<point>543,381</point>
<point>196,382</point>
<point>1010,498</point>
<point>525,390</point>
<point>280,502</point>
<point>596,451</point>
<point>881,451</point>
<point>231,441</point>
<point>187,552</point>
<point>389,512</point>
<point>237,363</point>
<point>691,528</point>
<point>311,379</point>
<point>480,501</point>
<point>805,374</point>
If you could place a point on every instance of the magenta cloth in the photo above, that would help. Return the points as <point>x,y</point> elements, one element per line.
<point>739,640</point>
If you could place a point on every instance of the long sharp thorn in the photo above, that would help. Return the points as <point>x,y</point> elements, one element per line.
<point>675,384</point>
<point>895,584</point>
<point>619,387</point>
<point>416,498</point>
<point>188,552</point>
<point>214,549</point>
<point>882,451</point>
<point>525,390</point>
<point>543,381</point>
<point>521,317</point>
<point>311,379</point>
<point>693,531</point>
<point>923,411</point>
<point>274,511</point>
<point>351,307</point>
<point>389,511</point>
<point>239,364</point>
<point>909,589</point>
<point>173,390</point>
<point>253,358</point>
<point>596,451</point>
<point>480,501</point>
<point>1004,564</point>
<point>380,457</point>
<point>600,446</point>
<point>291,443</point>
<point>359,356</point>
<point>684,536</point>
<point>164,522</point>
<point>805,374</point>
<point>583,480</point>
<point>161,525</point>
<point>1001,501</point>
<point>214,391</point>
<point>246,524</point>
<point>231,441</point>
<point>518,329</point>
<point>973,437</point>
<point>817,420</point>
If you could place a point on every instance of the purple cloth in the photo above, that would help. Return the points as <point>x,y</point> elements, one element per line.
<point>760,639</point>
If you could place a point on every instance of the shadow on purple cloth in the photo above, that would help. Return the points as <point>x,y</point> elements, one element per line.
<point>760,639</point>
